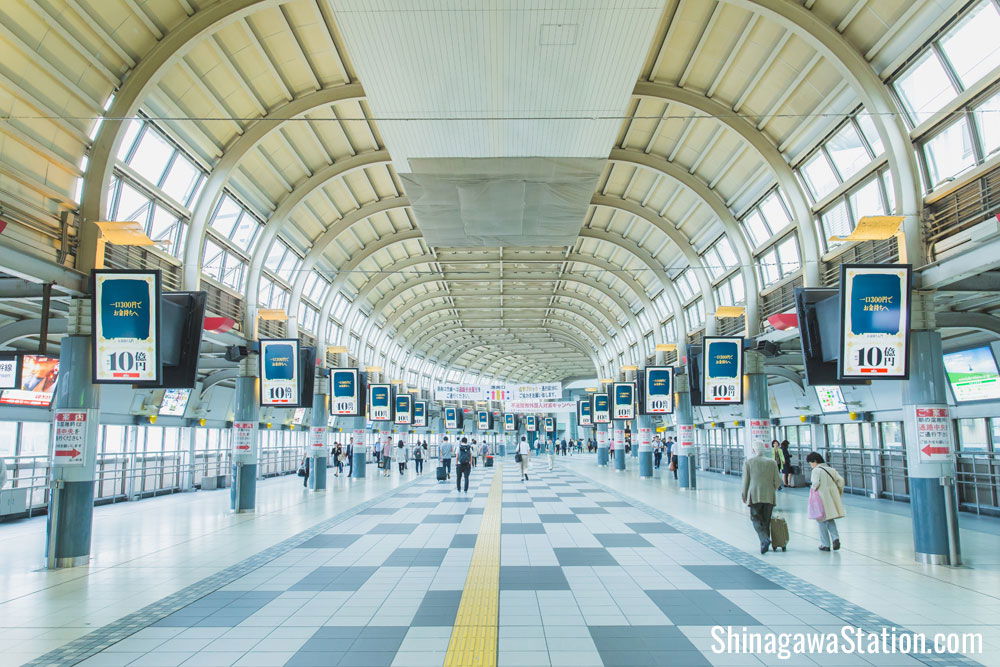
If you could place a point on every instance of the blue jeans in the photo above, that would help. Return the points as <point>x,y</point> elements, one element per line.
<point>828,532</point>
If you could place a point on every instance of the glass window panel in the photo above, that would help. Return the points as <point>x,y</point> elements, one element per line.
<point>949,152</point>
<point>213,260</point>
<point>788,253</point>
<point>131,132</point>
<point>226,215</point>
<point>847,151</point>
<point>890,192</point>
<point>165,226</point>
<point>8,438</point>
<point>755,228</point>
<point>132,205</point>
<point>181,179</point>
<point>114,439</point>
<point>774,212</point>
<point>836,221</point>
<point>852,436</point>
<point>34,438</point>
<point>233,274</point>
<point>769,271</point>
<point>972,434</point>
<point>738,287</point>
<point>711,261</point>
<point>925,88</point>
<point>151,156</point>
<point>834,435</point>
<point>867,200</point>
<point>819,175</point>
<point>245,232</point>
<point>870,132</point>
<point>971,46</point>
<point>275,256</point>
<point>726,253</point>
<point>892,434</point>
<point>988,119</point>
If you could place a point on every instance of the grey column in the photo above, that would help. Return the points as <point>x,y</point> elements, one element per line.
<point>602,432</point>
<point>618,430</point>
<point>644,445</point>
<point>356,427</point>
<point>243,492</point>
<point>319,442</point>
<point>71,497</point>
<point>932,490</point>
<point>755,403</point>
<point>684,444</point>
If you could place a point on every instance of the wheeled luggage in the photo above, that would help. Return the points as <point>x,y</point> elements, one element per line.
<point>442,474</point>
<point>779,534</point>
<point>489,461</point>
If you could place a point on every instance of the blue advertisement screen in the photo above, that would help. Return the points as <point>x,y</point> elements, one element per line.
<point>623,394</point>
<point>380,397</point>
<point>343,384</point>
<point>278,362</point>
<point>419,408</point>
<point>402,404</point>
<point>658,382</point>
<point>724,359</point>
<point>875,304</point>
<point>601,403</point>
<point>584,408</point>
<point>125,308</point>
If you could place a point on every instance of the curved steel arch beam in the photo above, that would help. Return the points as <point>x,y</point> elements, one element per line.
<point>982,321</point>
<point>886,113</point>
<point>215,377</point>
<point>505,364</point>
<point>801,209</point>
<point>569,326</point>
<point>700,189</point>
<point>600,335</point>
<point>786,373</point>
<point>438,346</point>
<point>31,327</point>
<point>223,169</point>
<point>452,358</point>
<point>134,89</point>
<point>279,218</point>
<point>664,225</point>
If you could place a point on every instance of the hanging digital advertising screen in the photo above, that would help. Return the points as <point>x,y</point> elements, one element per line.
<point>125,321</point>
<point>174,402</point>
<point>623,400</point>
<point>451,417</point>
<point>484,420</point>
<point>346,392</point>
<point>37,384</point>
<point>404,410</point>
<point>550,425</point>
<point>279,372</point>
<point>584,413</point>
<point>602,408</point>
<point>420,414</point>
<point>874,321</point>
<point>658,390</point>
<point>10,370</point>
<point>509,422</point>
<point>831,398</point>
<point>530,423</point>
<point>380,402</point>
<point>722,370</point>
<point>973,374</point>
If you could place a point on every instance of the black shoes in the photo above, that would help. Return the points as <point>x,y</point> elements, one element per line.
<point>836,545</point>
<point>765,546</point>
<point>824,548</point>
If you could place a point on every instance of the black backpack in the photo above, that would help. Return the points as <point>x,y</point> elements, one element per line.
<point>464,453</point>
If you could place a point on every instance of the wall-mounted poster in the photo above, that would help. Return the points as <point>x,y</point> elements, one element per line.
<point>126,326</point>
<point>420,414</point>
<point>623,400</point>
<point>404,410</point>
<point>831,398</point>
<point>584,413</point>
<point>874,321</point>
<point>279,372</point>
<point>174,402</point>
<point>380,402</point>
<point>722,372</point>
<point>658,390</point>
<point>602,408</point>
<point>346,393</point>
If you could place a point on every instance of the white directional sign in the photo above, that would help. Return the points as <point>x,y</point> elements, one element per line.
<point>126,326</point>
<point>244,438</point>
<point>317,440</point>
<point>10,371</point>
<point>69,436</point>
<point>522,407</point>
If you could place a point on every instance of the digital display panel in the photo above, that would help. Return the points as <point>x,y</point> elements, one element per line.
<point>831,398</point>
<point>39,374</point>
<point>973,374</point>
<point>174,402</point>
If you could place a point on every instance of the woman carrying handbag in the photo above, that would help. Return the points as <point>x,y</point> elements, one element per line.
<point>825,501</point>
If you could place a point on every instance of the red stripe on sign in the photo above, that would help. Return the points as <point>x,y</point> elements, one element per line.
<point>874,370</point>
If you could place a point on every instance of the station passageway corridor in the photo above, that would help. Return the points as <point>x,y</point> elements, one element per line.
<point>576,566</point>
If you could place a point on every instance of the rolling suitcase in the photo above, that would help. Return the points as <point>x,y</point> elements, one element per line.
<point>442,474</point>
<point>489,461</point>
<point>779,534</point>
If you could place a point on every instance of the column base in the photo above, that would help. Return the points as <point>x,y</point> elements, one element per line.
<point>248,510</point>
<point>75,561</point>
<point>931,559</point>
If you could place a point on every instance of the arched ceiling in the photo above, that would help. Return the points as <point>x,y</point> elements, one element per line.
<point>268,97</point>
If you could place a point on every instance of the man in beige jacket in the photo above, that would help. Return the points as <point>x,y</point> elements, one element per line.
<point>760,481</point>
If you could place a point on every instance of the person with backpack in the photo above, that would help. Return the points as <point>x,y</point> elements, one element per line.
<point>401,456</point>
<point>657,451</point>
<point>826,505</point>
<point>418,458</point>
<point>464,464</point>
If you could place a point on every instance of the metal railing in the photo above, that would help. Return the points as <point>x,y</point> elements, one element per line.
<point>963,208</point>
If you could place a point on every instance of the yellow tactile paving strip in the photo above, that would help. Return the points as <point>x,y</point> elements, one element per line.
<point>474,636</point>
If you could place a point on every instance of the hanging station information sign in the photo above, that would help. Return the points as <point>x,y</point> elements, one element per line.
<point>623,400</point>
<point>345,384</point>
<point>484,420</point>
<point>10,370</point>
<point>69,435</point>
<point>279,372</point>
<point>420,414</point>
<point>126,326</point>
<point>404,410</point>
<point>530,423</point>
<point>602,408</point>
<point>584,412</point>
<point>874,321</point>
<point>658,390</point>
<point>450,417</point>
<point>380,402</point>
<point>722,371</point>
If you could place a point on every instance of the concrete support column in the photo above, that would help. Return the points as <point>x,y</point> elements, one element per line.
<point>684,445</point>
<point>755,405</point>
<point>602,433</point>
<point>356,427</point>
<point>931,477</point>
<point>71,497</point>
<point>243,491</point>
<point>190,434</point>
<point>619,436</point>
<point>319,441</point>
<point>645,445</point>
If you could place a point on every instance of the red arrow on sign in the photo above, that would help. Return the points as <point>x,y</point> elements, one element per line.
<point>242,446</point>
<point>68,452</point>
<point>935,450</point>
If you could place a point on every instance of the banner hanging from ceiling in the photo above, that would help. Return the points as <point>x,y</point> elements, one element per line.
<point>523,407</point>
<point>498,392</point>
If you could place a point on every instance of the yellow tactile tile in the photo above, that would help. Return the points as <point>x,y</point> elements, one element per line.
<point>474,636</point>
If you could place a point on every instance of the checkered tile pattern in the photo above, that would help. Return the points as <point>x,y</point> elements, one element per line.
<point>586,578</point>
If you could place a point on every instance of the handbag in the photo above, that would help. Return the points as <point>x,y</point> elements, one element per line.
<point>816,509</point>
<point>517,457</point>
<point>301,472</point>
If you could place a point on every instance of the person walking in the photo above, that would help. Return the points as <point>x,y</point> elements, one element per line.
<point>657,451</point>
<point>401,456</point>
<point>349,452</point>
<point>418,458</point>
<point>760,482</point>
<point>522,455</point>
<point>304,470</point>
<point>484,451</point>
<point>447,450</point>
<point>387,458</point>
<point>671,457</point>
<point>475,451</point>
<point>464,466</point>
<point>827,488</point>
<point>786,464</point>
<point>338,459</point>
<point>564,446</point>
<point>553,450</point>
